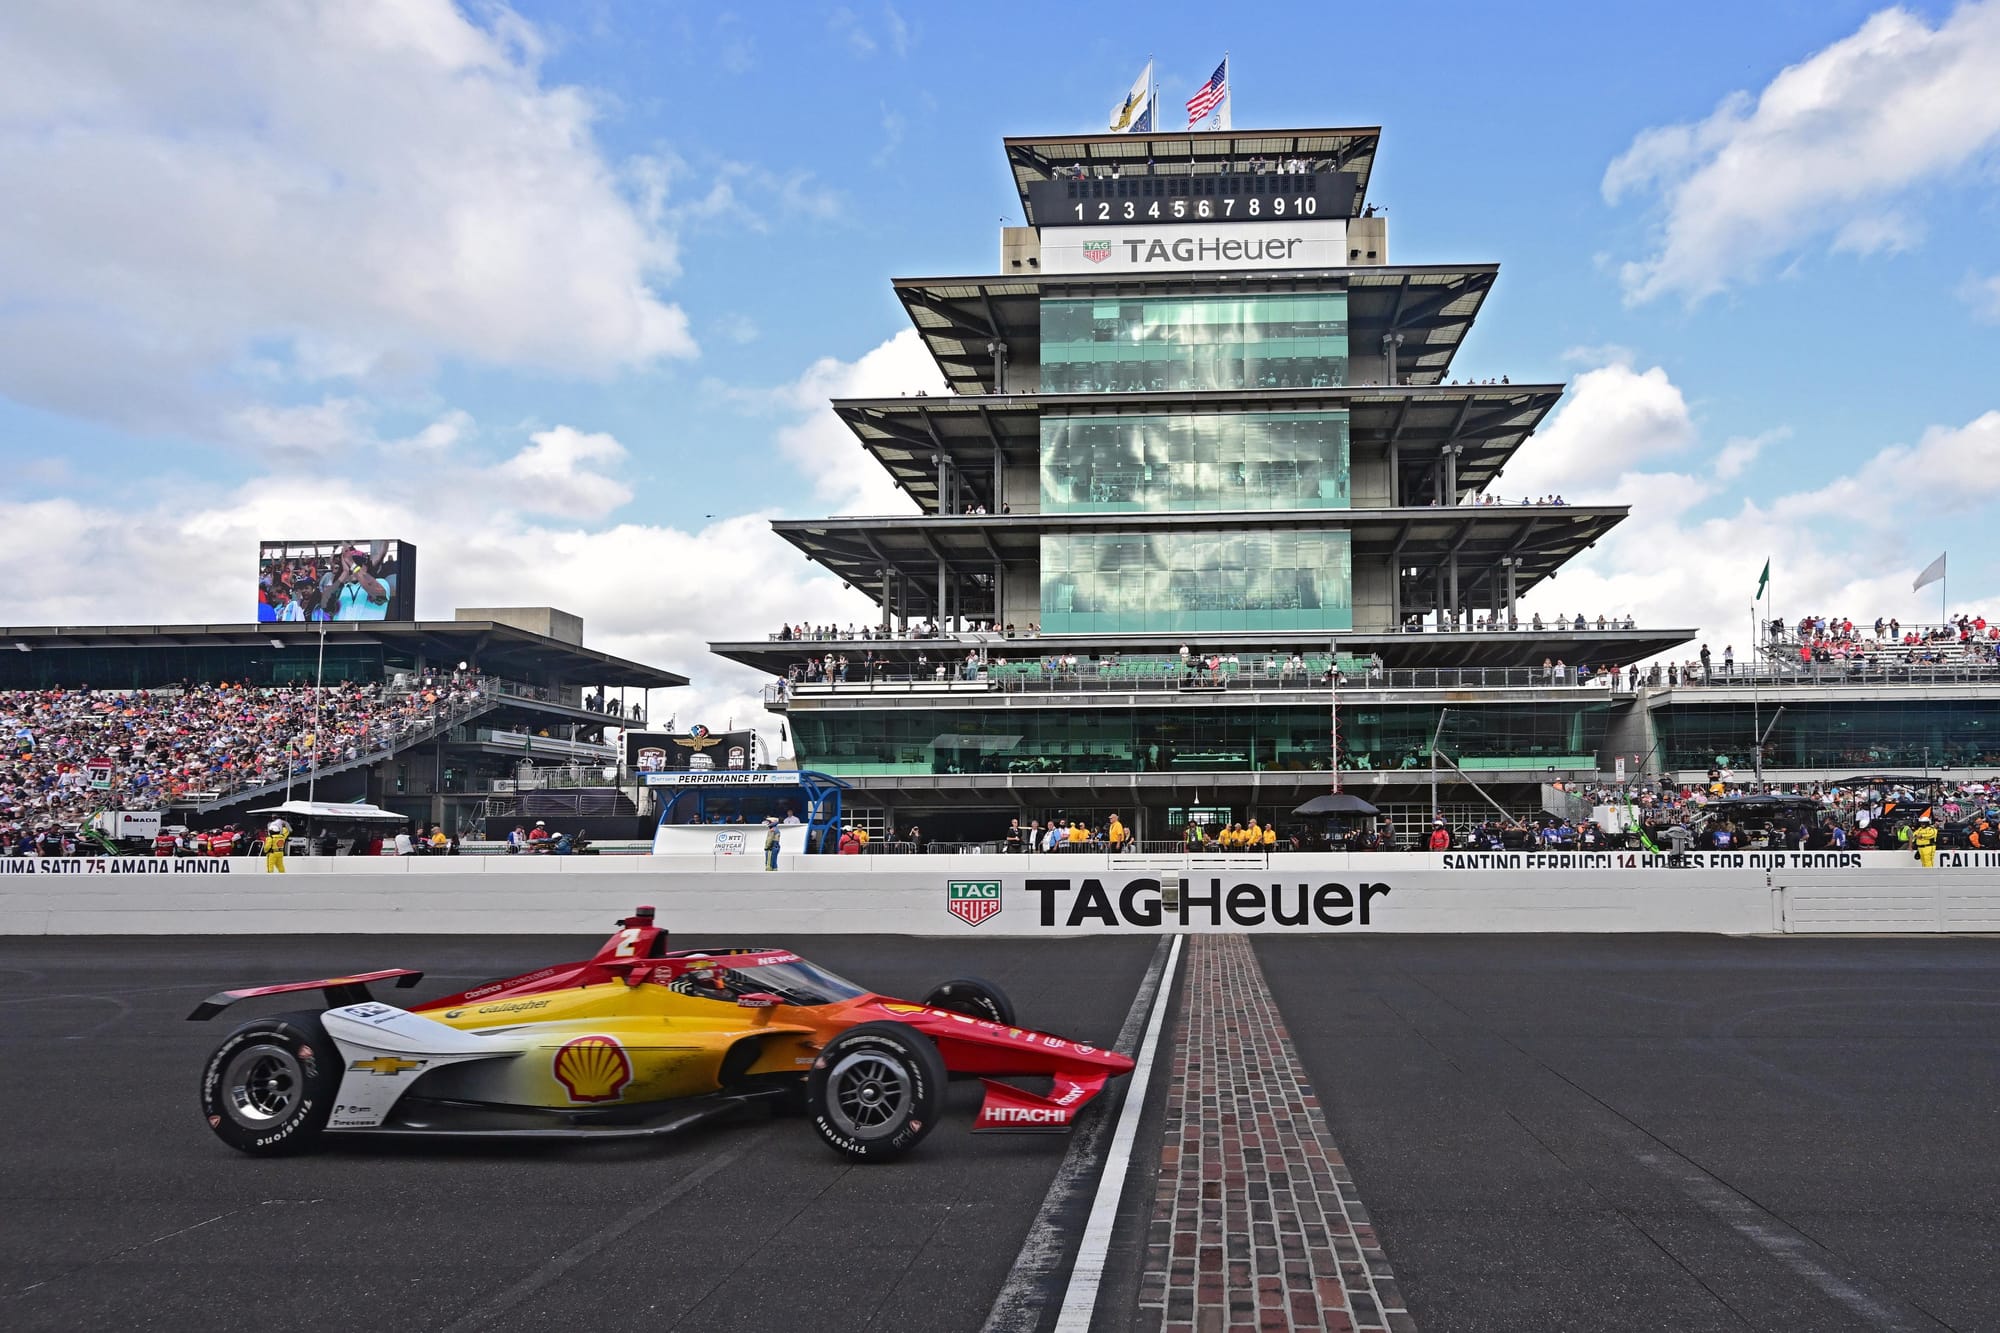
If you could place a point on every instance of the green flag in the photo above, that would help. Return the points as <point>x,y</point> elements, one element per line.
<point>1764,579</point>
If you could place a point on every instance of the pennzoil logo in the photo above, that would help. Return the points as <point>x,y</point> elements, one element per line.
<point>386,1065</point>
<point>1097,251</point>
<point>972,900</point>
<point>592,1069</point>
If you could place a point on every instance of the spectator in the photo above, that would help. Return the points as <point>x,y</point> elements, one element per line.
<point>403,845</point>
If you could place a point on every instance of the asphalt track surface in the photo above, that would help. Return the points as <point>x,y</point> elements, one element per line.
<point>118,1208</point>
<point>1550,1132</point>
<point>1655,1132</point>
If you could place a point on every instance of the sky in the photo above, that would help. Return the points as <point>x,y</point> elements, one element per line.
<point>558,292</point>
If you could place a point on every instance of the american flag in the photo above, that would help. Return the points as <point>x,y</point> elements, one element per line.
<point>1210,95</point>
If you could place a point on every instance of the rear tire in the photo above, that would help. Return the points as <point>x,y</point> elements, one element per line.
<point>270,1086</point>
<point>876,1091</point>
<point>974,996</point>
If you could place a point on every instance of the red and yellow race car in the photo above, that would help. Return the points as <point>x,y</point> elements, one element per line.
<point>638,1040</point>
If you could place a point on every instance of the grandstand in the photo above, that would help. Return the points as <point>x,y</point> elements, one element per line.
<point>455,724</point>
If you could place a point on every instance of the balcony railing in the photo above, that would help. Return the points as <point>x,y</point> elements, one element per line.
<point>1109,678</point>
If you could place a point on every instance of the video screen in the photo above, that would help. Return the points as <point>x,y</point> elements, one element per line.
<point>372,579</point>
<point>695,750</point>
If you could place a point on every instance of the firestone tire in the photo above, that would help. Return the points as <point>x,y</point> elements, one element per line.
<point>270,1086</point>
<point>976,997</point>
<point>876,1091</point>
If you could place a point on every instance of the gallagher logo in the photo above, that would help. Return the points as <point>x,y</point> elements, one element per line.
<point>972,900</point>
<point>1097,251</point>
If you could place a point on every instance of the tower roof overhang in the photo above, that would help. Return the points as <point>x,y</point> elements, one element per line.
<point>1488,422</point>
<point>1431,305</point>
<point>1038,158</point>
<point>1540,538</point>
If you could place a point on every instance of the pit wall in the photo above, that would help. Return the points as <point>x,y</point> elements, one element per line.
<point>977,896</point>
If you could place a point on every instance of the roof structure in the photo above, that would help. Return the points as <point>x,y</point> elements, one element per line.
<point>1037,158</point>
<point>1541,537</point>
<point>1431,305</point>
<point>501,650</point>
<point>1489,422</point>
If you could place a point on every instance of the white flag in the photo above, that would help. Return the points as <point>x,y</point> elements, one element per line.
<point>1932,573</point>
<point>1135,111</point>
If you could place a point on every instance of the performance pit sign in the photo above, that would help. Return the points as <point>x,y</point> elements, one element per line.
<point>1195,246</point>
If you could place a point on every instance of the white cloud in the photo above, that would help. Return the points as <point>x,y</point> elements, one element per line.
<point>1849,545</point>
<point>819,444</point>
<point>1827,147</point>
<point>1983,295</point>
<point>553,475</point>
<point>1614,420</point>
<point>313,190</point>
<point>846,25</point>
<point>1739,452</point>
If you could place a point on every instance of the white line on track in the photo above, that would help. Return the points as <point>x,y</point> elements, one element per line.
<point>1080,1300</point>
<point>1019,1306</point>
<point>488,1312</point>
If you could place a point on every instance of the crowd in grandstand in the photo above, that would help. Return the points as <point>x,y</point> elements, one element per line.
<point>70,753</point>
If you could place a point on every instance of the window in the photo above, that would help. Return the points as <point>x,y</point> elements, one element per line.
<point>1141,464</point>
<point>1278,341</point>
<point>1171,582</point>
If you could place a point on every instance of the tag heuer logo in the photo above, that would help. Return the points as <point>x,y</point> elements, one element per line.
<point>1097,251</point>
<point>972,900</point>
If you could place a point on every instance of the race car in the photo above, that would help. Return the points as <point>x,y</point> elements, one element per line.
<point>638,1040</point>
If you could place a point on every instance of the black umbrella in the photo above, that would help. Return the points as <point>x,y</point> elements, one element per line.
<point>1336,804</point>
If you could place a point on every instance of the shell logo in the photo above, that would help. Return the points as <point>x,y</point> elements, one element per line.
<point>592,1069</point>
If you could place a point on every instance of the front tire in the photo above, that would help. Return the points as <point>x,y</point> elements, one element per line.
<point>270,1086</point>
<point>876,1091</point>
<point>975,997</point>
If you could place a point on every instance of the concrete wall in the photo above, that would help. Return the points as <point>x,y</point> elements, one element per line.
<point>1020,251</point>
<point>1724,893</point>
<point>1368,241</point>
<point>1371,596</point>
<point>1368,484</point>
<point>544,620</point>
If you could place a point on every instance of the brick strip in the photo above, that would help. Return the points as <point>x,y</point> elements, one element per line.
<point>1256,1223</point>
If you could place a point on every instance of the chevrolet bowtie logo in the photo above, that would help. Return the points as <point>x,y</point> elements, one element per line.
<point>387,1064</point>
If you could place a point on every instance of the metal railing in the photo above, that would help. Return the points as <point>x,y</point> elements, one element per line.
<point>1095,679</point>
<point>838,636</point>
<point>527,744</point>
<point>1850,671</point>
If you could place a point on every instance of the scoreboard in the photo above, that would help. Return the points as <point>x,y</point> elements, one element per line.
<point>1166,200</point>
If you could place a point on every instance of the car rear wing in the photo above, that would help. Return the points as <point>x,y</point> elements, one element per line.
<point>338,990</point>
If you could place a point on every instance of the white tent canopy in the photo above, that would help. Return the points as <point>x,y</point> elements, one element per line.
<point>357,813</point>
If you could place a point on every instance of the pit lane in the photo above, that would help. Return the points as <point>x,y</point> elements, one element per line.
<point>118,1208</point>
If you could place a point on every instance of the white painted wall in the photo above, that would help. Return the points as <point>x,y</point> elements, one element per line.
<point>1453,892</point>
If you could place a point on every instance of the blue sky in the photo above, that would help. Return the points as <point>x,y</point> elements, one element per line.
<point>554,289</point>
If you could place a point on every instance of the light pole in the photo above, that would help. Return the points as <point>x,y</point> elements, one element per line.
<point>319,678</point>
<point>1333,708</point>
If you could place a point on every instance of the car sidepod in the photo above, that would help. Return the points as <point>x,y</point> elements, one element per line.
<point>385,1050</point>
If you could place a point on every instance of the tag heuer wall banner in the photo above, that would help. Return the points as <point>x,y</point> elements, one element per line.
<point>1222,245</point>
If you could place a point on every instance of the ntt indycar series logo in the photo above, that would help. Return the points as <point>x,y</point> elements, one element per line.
<point>1150,903</point>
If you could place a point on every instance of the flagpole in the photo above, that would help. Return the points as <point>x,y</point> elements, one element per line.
<point>1756,710</point>
<point>1225,121</point>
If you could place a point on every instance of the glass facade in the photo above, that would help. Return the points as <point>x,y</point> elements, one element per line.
<point>1169,740</point>
<point>1174,582</point>
<point>1873,736</point>
<point>1248,460</point>
<point>1280,341</point>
